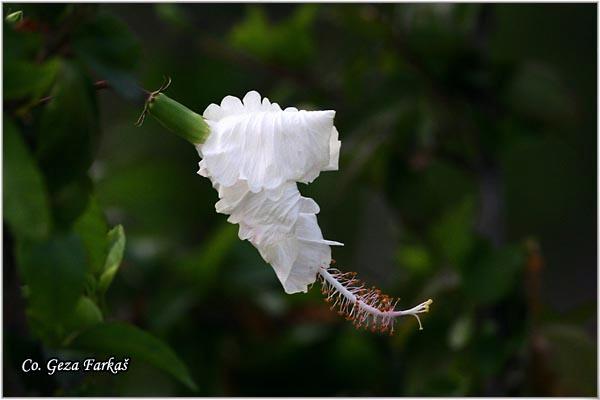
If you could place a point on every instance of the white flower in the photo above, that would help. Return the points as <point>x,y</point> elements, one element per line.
<point>254,155</point>
<point>256,141</point>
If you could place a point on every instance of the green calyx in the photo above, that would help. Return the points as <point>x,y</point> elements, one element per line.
<point>174,116</point>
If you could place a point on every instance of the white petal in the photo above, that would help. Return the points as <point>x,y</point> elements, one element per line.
<point>257,142</point>
<point>308,206</point>
<point>231,105</point>
<point>252,101</point>
<point>334,151</point>
<point>213,112</point>
<point>295,259</point>
<point>265,216</point>
<point>283,226</point>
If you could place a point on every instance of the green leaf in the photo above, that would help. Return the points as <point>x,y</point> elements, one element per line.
<point>70,201</point>
<point>202,265</point>
<point>85,315</point>
<point>69,128</point>
<point>23,78</point>
<point>415,257</point>
<point>290,41</point>
<point>122,340</point>
<point>173,14</point>
<point>92,227</point>
<point>108,40</point>
<point>54,271</point>
<point>453,234</point>
<point>13,18</point>
<point>18,46</point>
<point>25,199</point>
<point>116,248</point>
<point>108,47</point>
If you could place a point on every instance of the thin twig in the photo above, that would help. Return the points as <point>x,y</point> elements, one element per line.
<point>98,85</point>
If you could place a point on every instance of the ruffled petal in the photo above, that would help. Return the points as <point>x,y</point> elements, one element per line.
<point>283,226</point>
<point>296,259</point>
<point>265,216</point>
<point>334,151</point>
<point>256,141</point>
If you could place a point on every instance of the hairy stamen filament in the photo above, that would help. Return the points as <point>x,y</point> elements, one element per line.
<point>365,307</point>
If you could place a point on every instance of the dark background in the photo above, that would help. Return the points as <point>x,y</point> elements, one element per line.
<point>467,174</point>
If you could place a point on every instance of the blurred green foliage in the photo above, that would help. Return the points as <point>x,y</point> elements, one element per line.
<point>468,174</point>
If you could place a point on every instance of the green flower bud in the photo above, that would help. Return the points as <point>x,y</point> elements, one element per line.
<point>175,117</point>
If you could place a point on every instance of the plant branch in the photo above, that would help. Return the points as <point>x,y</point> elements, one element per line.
<point>98,85</point>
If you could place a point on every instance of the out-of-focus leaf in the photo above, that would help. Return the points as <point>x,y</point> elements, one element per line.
<point>69,128</point>
<point>289,41</point>
<point>108,40</point>
<point>437,35</point>
<point>538,169</point>
<point>91,227</point>
<point>122,340</point>
<point>537,92</point>
<point>173,14</point>
<point>116,248</point>
<point>453,234</point>
<point>171,307</point>
<point>107,45</point>
<point>488,274</point>
<point>23,79</point>
<point>24,195</point>
<point>572,357</point>
<point>85,315</point>
<point>18,46</point>
<point>127,188</point>
<point>414,257</point>
<point>203,265</point>
<point>54,271</point>
<point>460,332</point>
<point>487,336</point>
<point>353,348</point>
<point>70,201</point>
<point>14,17</point>
<point>434,192</point>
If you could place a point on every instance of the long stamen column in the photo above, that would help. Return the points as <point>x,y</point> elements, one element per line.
<point>365,307</point>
